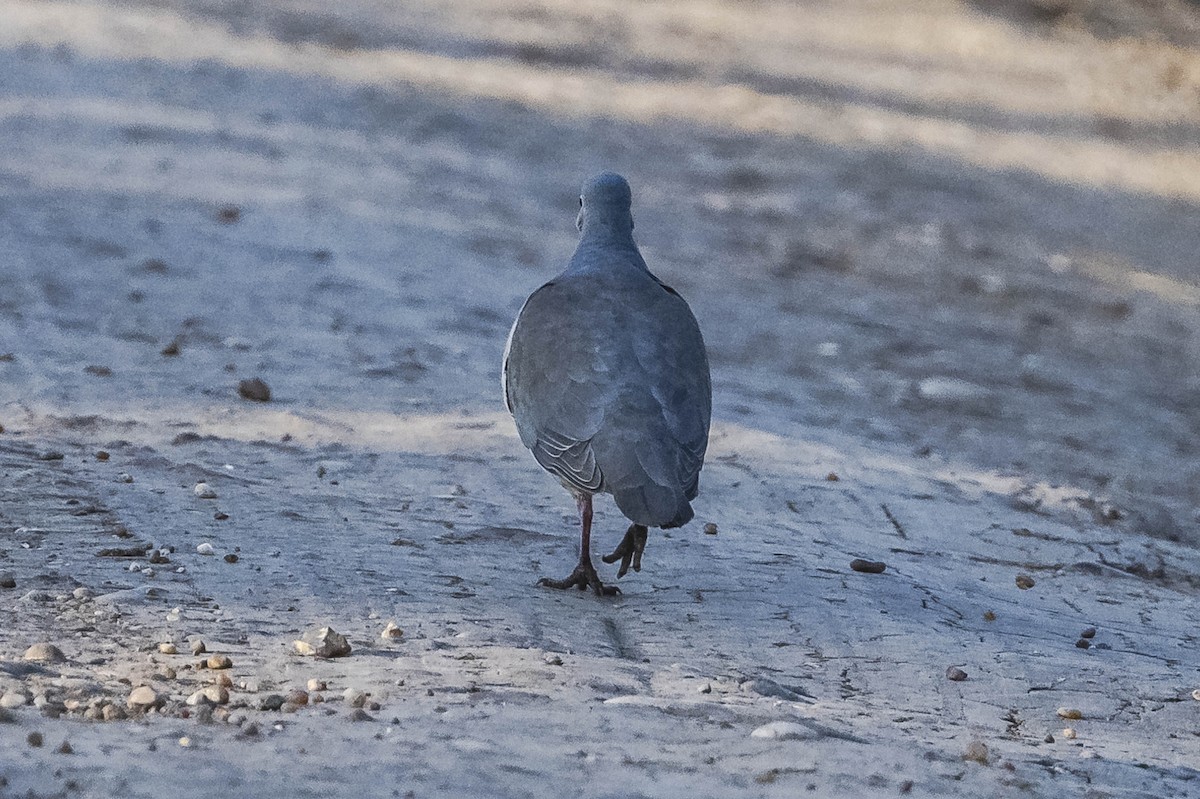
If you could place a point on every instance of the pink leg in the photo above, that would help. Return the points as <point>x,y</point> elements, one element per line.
<point>584,576</point>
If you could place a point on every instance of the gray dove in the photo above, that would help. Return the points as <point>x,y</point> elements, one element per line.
<point>606,376</point>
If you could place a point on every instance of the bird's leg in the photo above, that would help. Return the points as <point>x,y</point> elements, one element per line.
<point>584,576</point>
<point>629,550</point>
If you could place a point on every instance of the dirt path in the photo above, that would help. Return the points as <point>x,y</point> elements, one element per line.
<point>946,256</point>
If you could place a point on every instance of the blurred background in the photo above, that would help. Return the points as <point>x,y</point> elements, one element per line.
<point>962,230</point>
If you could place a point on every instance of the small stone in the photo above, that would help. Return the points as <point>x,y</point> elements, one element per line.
<point>7,581</point>
<point>705,689</point>
<point>1083,643</point>
<point>101,455</point>
<point>113,712</point>
<point>1049,738</point>
<point>46,653</point>
<point>316,699</point>
<point>297,697</point>
<point>14,699</point>
<point>216,694</point>
<point>316,685</point>
<point>710,528</point>
<point>230,558</point>
<point>783,731</point>
<point>391,631</point>
<point>185,742</point>
<point>143,696</point>
<point>65,748</point>
<point>205,549</point>
<point>358,714</point>
<point>303,648</point>
<point>1088,632</point>
<point>1196,694</point>
<point>271,702</point>
<point>198,647</point>
<point>51,455</point>
<point>168,649</point>
<point>956,674</point>
<point>977,752</point>
<point>1069,713</point>
<point>172,348</point>
<point>34,739</point>
<point>220,516</point>
<point>1024,582</point>
<point>552,659</point>
<point>1069,733</point>
<point>224,680</point>
<point>124,477</point>
<point>989,615</point>
<point>354,697</point>
<point>229,214</point>
<point>82,593</point>
<point>868,566</point>
<point>255,390</point>
<point>204,491</point>
<point>832,477</point>
<point>219,662</point>
<point>330,643</point>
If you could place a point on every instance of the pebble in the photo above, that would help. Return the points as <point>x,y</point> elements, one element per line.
<point>124,477</point>
<point>354,697</point>
<point>552,659</point>
<point>868,566</point>
<point>297,697</point>
<point>34,739</point>
<point>710,528</point>
<point>1083,643</point>
<point>1049,738</point>
<point>7,581</point>
<point>977,751</point>
<point>705,689</point>
<point>1196,694</point>
<point>205,549</point>
<point>198,647</point>
<point>168,649</point>
<point>219,662</point>
<point>303,648</point>
<point>14,699</point>
<point>1069,713</point>
<point>254,389</point>
<point>783,731</point>
<point>1025,582</point>
<point>113,712</point>
<point>956,674</point>
<point>65,748</point>
<point>230,558</point>
<point>271,702</point>
<point>185,742</point>
<point>1069,733</point>
<point>1088,632</point>
<point>361,715</point>
<point>391,631</point>
<point>204,491</point>
<point>329,643</point>
<point>82,593</point>
<point>46,653</point>
<point>142,696</point>
<point>101,455</point>
<point>212,695</point>
<point>224,680</point>
<point>316,685</point>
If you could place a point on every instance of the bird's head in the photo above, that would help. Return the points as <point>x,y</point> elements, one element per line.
<point>604,203</point>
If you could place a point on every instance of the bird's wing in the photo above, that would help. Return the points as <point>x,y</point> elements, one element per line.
<point>556,381</point>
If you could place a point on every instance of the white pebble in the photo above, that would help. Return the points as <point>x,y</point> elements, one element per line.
<point>204,491</point>
<point>205,549</point>
<point>124,477</point>
<point>783,731</point>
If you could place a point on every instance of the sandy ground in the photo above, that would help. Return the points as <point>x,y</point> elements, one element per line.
<point>944,252</point>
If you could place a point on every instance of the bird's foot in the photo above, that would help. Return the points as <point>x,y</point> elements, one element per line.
<point>583,578</point>
<point>630,550</point>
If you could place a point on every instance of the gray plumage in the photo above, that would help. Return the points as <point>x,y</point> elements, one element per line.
<point>606,375</point>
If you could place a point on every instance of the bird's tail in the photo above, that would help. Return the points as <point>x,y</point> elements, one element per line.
<point>654,506</point>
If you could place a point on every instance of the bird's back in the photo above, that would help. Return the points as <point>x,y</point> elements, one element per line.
<point>607,378</point>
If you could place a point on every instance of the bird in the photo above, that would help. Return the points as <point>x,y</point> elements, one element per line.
<point>606,376</point>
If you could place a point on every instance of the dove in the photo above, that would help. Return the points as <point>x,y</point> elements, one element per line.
<point>606,376</point>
